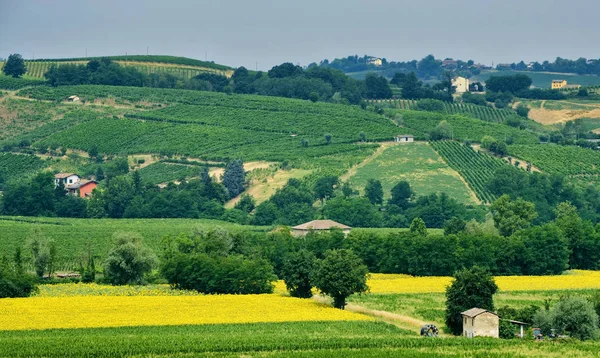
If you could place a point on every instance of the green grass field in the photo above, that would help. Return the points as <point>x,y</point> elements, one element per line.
<point>417,163</point>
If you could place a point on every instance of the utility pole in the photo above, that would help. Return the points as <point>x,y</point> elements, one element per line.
<point>86,52</point>
<point>147,50</point>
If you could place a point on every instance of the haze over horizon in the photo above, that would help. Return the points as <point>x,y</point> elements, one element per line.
<point>265,33</point>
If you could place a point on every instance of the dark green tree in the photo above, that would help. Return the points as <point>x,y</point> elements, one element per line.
<point>471,288</point>
<point>401,195</point>
<point>324,187</point>
<point>129,260</point>
<point>454,226</point>
<point>234,177</point>
<point>14,66</point>
<point>374,192</point>
<point>512,215</point>
<point>340,274</point>
<point>296,272</point>
<point>246,203</point>
<point>417,226</point>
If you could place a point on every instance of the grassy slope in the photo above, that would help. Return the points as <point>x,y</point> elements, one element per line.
<point>180,66</point>
<point>417,163</point>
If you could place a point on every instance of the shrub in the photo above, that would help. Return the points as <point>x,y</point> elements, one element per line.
<point>575,316</point>
<point>128,261</point>
<point>15,284</point>
<point>430,105</point>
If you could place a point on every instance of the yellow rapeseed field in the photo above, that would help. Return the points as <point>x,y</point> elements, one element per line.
<point>118,311</point>
<point>576,279</point>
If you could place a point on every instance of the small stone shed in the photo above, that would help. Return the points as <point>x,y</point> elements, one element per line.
<point>404,138</point>
<point>478,322</point>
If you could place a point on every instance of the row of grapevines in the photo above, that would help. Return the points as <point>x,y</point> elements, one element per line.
<point>128,136</point>
<point>475,167</point>
<point>466,128</point>
<point>13,166</point>
<point>566,160</point>
<point>278,122</point>
<point>164,96</point>
<point>11,83</point>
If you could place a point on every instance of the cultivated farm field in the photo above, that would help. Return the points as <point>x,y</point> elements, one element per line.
<point>111,321</point>
<point>475,167</point>
<point>418,164</point>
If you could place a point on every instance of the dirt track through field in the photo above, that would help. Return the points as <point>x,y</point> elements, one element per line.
<point>350,173</point>
<point>402,321</point>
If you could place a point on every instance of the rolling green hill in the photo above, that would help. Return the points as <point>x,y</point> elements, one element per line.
<point>180,66</point>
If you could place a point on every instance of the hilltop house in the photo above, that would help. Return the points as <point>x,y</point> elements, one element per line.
<point>374,61</point>
<point>478,322</point>
<point>556,84</point>
<point>319,225</point>
<point>461,84</point>
<point>75,185</point>
<point>66,179</point>
<point>73,99</point>
<point>450,63</point>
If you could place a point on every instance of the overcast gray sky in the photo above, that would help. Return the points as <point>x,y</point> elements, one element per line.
<point>242,33</point>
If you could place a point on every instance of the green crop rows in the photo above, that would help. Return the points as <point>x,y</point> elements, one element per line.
<point>281,121</point>
<point>11,83</point>
<point>566,160</point>
<point>476,168</point>
<point>286,339</point>
<point>465,128</point>
<point>216,126</point>
<point>484,113</point>
<point>487,114</point>
<point>38,68</point>
<point>17,165</point>
<point>162,172</point>
<point>73,235</point>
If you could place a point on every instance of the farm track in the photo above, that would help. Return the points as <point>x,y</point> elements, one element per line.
<point>350,173</point>
<point>401,321</point>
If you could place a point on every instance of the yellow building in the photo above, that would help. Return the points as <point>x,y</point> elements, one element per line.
<point>556,84</point>
<point>375,61</point>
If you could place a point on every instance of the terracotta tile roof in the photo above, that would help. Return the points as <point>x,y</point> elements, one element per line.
<point>473,312</point>
<point>321,225</point>
<point>80,183</point>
